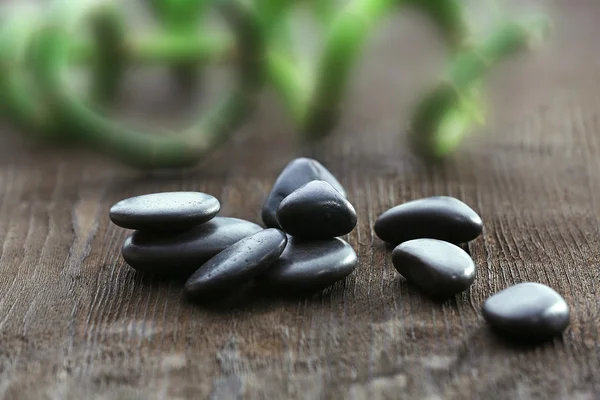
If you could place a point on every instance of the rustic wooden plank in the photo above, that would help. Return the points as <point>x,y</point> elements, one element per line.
<point>76,322</point>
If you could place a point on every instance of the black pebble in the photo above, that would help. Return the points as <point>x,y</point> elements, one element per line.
<point>316,211</point>
<point>310,266</point>
<point>527,311</point>
<point>169,211</point>
<point>295,175</point>
<point>181,254</point>
<point>443,218</point>
<point>438,268</point>
<point>238,263</point>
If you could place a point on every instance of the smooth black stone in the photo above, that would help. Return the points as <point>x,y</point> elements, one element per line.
<point>440,217</point>
<point>181,254</point>
<point>238,264</point>
<point>527,311</point>
<point>310,266</point>
<point>295,175</point>
<point>168,211</point>
<point>316,211</point>
<point>438,268</point>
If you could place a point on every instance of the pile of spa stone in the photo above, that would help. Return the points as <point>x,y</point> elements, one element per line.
<point>179,235</point>
<point>427,233</point>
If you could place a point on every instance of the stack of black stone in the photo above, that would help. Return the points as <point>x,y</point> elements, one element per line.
<point>427,234</point>
<point>179,235</point>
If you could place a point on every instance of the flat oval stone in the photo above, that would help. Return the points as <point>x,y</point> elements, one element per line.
<point>295,175</point>
<point>438,268</point>
<point>168,211</point>
<point>527,311</point>
<point>310,266</point>
<point>316,211</point>
<point>181,254</point>
<point>238,264</point>
<point>440,217</point>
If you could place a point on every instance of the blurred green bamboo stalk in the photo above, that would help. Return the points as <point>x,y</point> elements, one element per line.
<point>448,112</point>
<point>51,53</point>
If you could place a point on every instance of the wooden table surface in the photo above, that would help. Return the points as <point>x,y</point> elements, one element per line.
<point>77,323</point>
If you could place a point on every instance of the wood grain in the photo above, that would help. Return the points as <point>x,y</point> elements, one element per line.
<point>77,323</point>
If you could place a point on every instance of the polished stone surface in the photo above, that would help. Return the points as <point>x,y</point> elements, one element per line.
<point>438,268</point>
<point>440,217</point>
<point>528,311</point>
<point>167,211</point>
<point>316,211</point>
<point>295,175</point>
<point>237,264</point>
<point>310,266</point>
<point>181,254</point>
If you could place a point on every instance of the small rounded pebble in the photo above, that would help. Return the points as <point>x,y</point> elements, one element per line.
<point>170,211</point>
<point>441,217</point>
<point>181,254</point>
<point>238,263</point>
<point>295,175</point>
<point>438,268</point>
<point>310,266</point>
<point>527,311</point>
<point>316,211</point>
